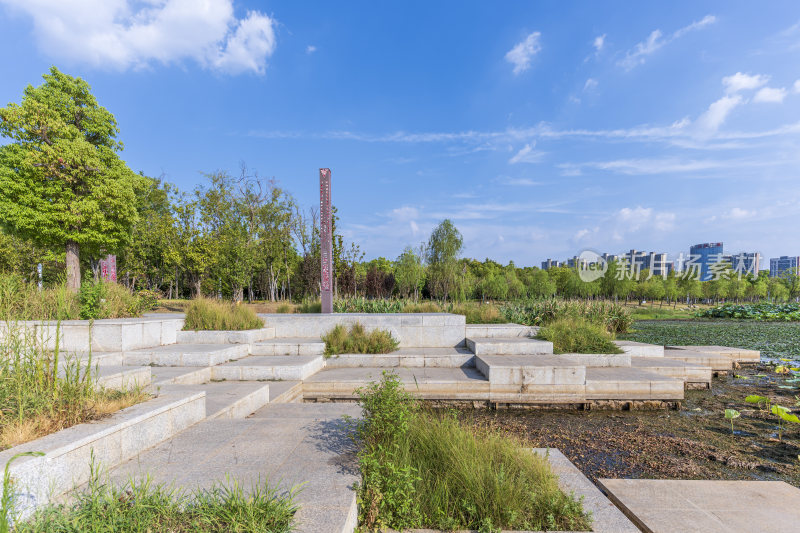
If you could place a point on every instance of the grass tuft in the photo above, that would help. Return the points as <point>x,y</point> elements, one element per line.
<point>423,469</point>
<point>340,340</point>
<point>204,314</point>
<point>578,335</point>
<point>141,507</point>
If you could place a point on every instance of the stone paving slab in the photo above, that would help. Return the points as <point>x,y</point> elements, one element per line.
<point>269,367</point>
<point>285,391</point>
<point>660,505</point>
<point>224,337</point>
<point>500,330</point>
<point>122,377</point>
<point>285,444</point>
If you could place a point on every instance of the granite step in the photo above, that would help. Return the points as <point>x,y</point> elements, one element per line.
<point>508,346</point>
<point>226,399</point>
<point>289,346</point>
<point>734,355</point>
<point>693,375</point>
<point>530,370</point>
<point>186,355</point>
<point>640,349</point>
<point>285,392</point>
<point>717,362</point>
<point>628,383</point>
<point>491,331</point>
<point>406,357</point>
<point>122,377</point>
<point>269,367</point>
<point>225,337</point>
<point>184,375</point>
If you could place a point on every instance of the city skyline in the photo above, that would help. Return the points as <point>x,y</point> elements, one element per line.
<point>539,130</point>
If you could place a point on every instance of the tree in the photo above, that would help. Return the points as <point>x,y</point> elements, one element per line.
<point>444,246</point>
<point>62,183</point>
<point>409,273</point>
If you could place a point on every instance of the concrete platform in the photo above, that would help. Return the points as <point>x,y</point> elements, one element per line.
<point>508,346</point>
<point>661,506</point>
<point>227,399</point>
<point>640,349</point>
<point>289,346</point>
<point>734,355</point>
<point>530,370</point>
<point>187,355</point>
<point>284,444</point>
<point>620,383</point>
<point>673,368</point>
<point>269,367</point>
<point>598,359</point>
<point>406,357</point>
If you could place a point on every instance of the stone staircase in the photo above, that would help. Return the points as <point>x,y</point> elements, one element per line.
<point>439,358</point>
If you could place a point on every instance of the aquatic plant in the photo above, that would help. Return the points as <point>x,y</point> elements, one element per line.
<point>730,414</point>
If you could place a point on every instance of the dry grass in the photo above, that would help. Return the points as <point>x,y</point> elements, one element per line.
<point>105,403</point>
<point>204,314</point>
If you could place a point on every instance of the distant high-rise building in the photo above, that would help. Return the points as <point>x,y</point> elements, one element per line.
<point>701,257</point>
<point>550,263</point>
<point>779,265</point>
<point>744,263</point>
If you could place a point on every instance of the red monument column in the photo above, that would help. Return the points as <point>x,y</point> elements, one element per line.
<point>326,240</point>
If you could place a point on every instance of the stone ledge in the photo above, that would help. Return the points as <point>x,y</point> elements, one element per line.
<point>70,452</point>
<point>225,337</point>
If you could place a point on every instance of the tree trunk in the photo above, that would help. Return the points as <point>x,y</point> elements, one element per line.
<point>73,266</point>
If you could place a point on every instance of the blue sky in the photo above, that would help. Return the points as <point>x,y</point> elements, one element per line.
<point>540,128</point>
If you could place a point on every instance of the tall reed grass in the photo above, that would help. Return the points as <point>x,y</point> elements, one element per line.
<point>206,314</point>
<point>613,316</point>
<point>43,391</point>
<point>425,469</point>
<point>340,340</point>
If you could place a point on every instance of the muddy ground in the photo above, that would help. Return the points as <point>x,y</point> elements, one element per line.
<point>694,442</point>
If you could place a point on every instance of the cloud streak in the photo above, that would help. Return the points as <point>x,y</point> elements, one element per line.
<point>656,40</point>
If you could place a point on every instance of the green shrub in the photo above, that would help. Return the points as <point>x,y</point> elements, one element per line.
<point>148,300</point>
<point>356,340</point>
<point>284,308</point>
<point>578,335</point>
<point>141,507</point>
<point>424,469</point>
<point>91,299</point>
<point>204,314</point>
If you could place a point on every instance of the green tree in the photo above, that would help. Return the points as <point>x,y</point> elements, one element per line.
<point>409,273</point>
<point>444,246</point>
<point>62,182</point>
<point>540,285</point>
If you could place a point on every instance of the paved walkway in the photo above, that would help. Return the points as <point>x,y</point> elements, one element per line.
<point>666,506</point>
<point>292,445</point>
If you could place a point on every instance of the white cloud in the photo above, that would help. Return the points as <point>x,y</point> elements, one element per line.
<point>742,82</point>
<point>590,84</point>
<point>710,121</point>
<point>599,42</point>
<point>310,49</point>
<point>796,86</point>
<point>527,155</point>
<point>656,40</point>
<point>414,227</point>
<point>739,213</point>
<point>770,95</point>
<point>520,182</point>
<point>636,167</point>
<point>520,56</point>
<point>123,34</point>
